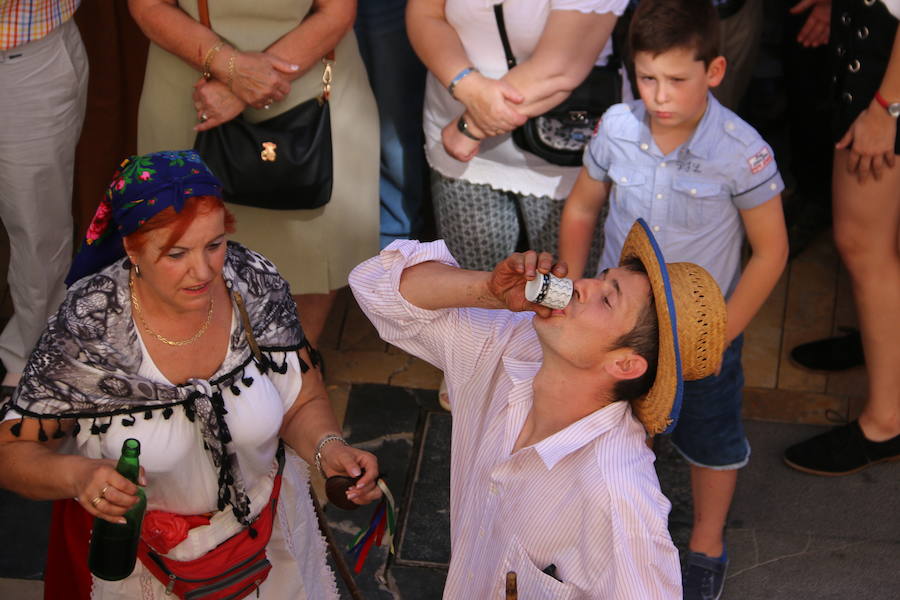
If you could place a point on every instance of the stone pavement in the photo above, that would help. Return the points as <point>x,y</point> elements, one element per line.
<point>791,536</point>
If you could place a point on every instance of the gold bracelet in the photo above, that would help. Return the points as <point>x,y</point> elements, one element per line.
<point>207,60</point>
<point>230,70</point>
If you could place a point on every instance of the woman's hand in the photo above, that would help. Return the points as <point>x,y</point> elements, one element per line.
<point>260,79</point>
<point>816,29</point>
<point>215,104</point>
<point>870,140</point>
<point>338,459</point>
<point>457,145</point>
<point>507,282</point>
<point>103,491</point>
<point>490,102</point>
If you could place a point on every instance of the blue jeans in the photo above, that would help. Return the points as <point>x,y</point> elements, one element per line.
<point>397,78</point>
<point>710,430</point>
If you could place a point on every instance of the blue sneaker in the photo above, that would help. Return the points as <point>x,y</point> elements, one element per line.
<point>704,577</point>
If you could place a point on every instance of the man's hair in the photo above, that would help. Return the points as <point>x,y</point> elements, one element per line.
<point>643,339</point>
<point>662,25</point>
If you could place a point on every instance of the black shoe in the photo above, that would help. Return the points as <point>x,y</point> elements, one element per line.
<point>841,451</point>
<point>831,354</point>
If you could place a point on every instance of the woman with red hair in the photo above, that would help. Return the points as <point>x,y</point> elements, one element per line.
<point>191,344</point>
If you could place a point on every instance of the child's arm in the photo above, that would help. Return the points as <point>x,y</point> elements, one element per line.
<point>767,235</point>
<point>579,220</point>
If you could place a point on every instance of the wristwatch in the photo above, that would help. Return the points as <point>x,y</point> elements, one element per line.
<point>893,108</point>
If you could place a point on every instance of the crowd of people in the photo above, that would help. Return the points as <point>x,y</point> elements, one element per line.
<point>178,321</point>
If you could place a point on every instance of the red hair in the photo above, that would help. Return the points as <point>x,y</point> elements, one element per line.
<point>179,221</point>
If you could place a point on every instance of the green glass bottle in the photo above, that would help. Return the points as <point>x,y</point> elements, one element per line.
<point>113,546</point>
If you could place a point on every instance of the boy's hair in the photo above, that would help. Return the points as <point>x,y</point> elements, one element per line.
<point>662,25</point>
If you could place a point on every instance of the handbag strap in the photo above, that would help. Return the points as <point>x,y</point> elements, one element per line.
<point>501,26</point>
<point>611,61</point>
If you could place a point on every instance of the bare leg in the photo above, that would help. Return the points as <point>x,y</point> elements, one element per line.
<point>712,490</point>
<point>867,234</point>
<point>313,310</point>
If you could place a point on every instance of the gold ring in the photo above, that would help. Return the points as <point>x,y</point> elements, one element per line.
<point>96,501</point>
<point>103,491</point>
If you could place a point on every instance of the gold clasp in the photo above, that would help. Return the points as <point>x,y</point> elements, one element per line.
<point>268,151</point>
<point>326,81</point>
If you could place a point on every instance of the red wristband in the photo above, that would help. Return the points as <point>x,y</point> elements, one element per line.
<point>880,99</point>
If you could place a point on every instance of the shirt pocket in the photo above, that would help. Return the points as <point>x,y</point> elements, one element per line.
<point>695,202</point>
<point>531,582</point>
<point>630,194</point>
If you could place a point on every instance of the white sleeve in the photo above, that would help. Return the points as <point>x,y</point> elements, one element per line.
<point>893,7</point>
<point>452,336</point>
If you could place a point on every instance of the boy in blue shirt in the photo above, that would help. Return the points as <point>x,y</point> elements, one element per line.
<point>701,177</point>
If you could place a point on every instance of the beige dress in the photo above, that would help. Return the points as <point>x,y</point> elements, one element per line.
<point>314,250</point>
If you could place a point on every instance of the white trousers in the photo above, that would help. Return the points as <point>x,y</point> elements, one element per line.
<point>43,94</point>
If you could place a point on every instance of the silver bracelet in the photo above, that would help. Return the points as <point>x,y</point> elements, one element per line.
<point>331,437</point>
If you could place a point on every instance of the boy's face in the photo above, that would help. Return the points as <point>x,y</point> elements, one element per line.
<point>674,86</point>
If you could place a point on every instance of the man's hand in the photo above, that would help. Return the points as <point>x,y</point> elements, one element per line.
<point>816,29</point>
<point>507,283</point>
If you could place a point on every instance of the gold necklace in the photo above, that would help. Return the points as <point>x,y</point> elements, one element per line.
<point>190,340</point>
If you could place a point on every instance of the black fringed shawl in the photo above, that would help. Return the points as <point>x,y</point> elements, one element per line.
<point>85,364</point>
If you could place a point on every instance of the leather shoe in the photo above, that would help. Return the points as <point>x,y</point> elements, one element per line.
<point>841,451</point>
<point>831,354</point>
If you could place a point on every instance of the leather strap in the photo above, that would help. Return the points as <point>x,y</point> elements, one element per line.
<point>203,8</point>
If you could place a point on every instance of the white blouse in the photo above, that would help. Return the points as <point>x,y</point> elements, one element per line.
<point>499,163</point>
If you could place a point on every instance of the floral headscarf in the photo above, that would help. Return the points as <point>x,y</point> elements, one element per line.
<point>143,186</point>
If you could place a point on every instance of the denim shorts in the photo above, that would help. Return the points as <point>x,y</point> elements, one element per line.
<point>710,431</point>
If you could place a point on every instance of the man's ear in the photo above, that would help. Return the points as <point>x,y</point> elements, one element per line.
<point>716,71</point>
<point>626,364</point>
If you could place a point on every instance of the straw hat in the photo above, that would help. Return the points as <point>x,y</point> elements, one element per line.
<point>691,313</point>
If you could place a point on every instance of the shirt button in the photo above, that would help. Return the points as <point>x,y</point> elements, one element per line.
<point>662,164</point>
<point>623,179</point>
<point>773,187</point>
<point>659,196</point>
<point>693,191</point>
<point>656,228</point>
<point>481,533</point>
<point>644,146</point>
<point>729,126</point>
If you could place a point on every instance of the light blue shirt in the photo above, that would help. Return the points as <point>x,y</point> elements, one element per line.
<point>691,198</point>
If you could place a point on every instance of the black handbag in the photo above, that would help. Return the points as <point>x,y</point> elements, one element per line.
<point>560,135</point>
<point>282,163</point>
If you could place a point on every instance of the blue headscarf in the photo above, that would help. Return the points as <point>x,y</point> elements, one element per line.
<point>142,187</point>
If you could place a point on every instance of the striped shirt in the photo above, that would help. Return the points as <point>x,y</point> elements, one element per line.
<point>586,499</point>
<point>23,21</point>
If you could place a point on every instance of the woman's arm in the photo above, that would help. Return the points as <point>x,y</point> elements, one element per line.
<point>566,52</point>
<point>35,470</point>
<point>256,78</point>
<point>309,420</point>
<point>871,137</point>
<point>318,34</point>
<point>437,44</point>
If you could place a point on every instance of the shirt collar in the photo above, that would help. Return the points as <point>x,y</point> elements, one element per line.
<point>637,130</point>
<point>705,134</point>
<point>569,439</point>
